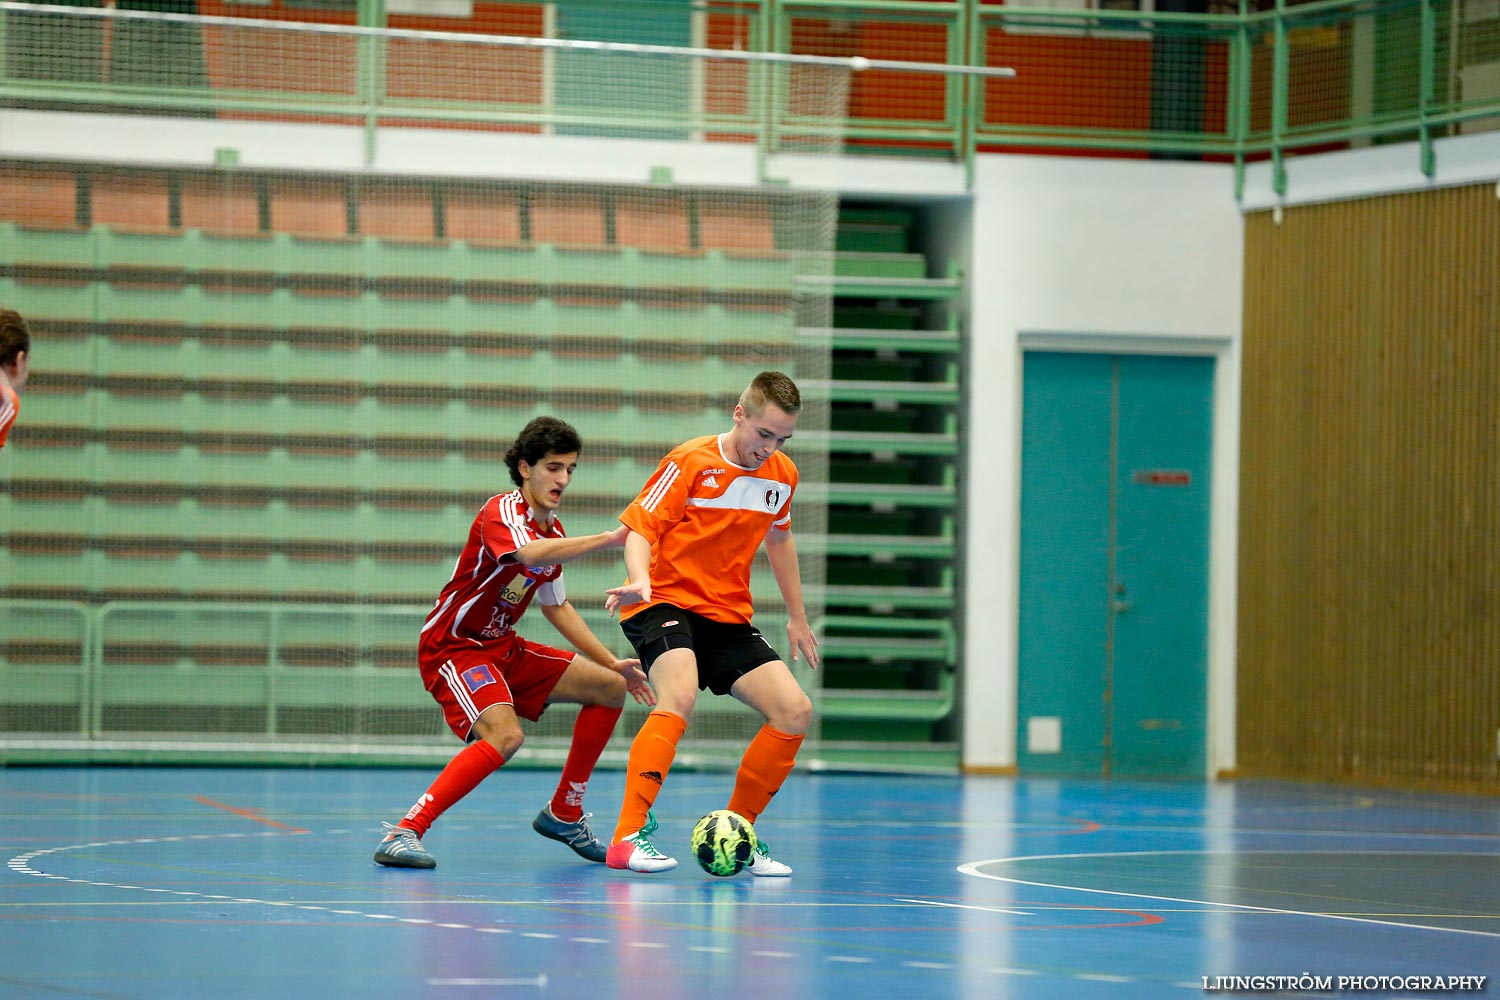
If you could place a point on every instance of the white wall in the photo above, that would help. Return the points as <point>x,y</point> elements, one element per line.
<point>149,141</point>
<point>1378,170</point>
<point>1090,254</point>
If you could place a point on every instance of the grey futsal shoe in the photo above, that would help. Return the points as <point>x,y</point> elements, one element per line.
<point>578,836</point>
<point>402,848</point>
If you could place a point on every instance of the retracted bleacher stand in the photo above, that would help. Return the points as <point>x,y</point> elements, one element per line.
<point>890,638</point>
<point>252,390</point>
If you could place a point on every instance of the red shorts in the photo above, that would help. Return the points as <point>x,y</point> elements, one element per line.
<point>467,676</point>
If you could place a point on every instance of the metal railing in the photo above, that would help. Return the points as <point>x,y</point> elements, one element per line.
<point>1240,86</point>
<point>71,658</point>
<point>207,677</point>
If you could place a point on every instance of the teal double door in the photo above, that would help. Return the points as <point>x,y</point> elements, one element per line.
<point>1113,638</point>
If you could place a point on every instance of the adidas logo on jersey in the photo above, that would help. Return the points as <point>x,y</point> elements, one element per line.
<point>710,481</point>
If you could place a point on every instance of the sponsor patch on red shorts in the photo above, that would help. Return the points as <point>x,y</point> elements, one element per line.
<point>477,677</point>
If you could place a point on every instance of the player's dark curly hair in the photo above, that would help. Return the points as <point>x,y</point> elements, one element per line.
<point>14,337</point>
<point>542,437</point>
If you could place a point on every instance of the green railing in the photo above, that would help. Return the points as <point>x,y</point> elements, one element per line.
<point>79,669</point>
<point>1235,87</point>
<point>278,677</point>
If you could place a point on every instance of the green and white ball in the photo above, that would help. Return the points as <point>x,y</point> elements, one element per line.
<point>724,843</point>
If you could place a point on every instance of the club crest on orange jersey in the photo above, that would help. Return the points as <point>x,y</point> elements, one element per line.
<point>773,499</point>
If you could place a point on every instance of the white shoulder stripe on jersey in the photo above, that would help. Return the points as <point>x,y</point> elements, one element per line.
<point>662,486</point>
<point>510,513</point>
<point>763,496</point>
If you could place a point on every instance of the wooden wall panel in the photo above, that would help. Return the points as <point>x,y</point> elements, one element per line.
<point>1369,617</point>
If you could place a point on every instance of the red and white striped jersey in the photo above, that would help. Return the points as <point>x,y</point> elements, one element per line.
<point>10,405</point>
<point>491,588</point>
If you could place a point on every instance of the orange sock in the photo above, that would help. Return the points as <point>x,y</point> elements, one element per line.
<point>651,757</point>
<point>767,761</point>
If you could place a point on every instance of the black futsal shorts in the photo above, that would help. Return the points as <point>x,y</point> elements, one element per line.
<point>726,651</point>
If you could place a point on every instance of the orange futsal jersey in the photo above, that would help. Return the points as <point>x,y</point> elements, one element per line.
<point>705,517</point>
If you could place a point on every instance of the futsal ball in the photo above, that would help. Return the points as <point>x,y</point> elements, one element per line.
<point>724,843</point>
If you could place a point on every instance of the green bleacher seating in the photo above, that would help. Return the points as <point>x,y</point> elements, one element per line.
<point>874,231</point>
<point>267,389</point>
<point>890,648</point>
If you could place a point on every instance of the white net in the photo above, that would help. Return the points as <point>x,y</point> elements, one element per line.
<point>267,403</point>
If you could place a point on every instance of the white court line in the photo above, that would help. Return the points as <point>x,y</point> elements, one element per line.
<point>22,865</point>
<point>964,906</point>
<point>971,868</point>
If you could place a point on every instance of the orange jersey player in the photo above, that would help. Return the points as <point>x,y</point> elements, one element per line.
<point>487,678</point>
<point>694,532</point>
<point>15,365</point>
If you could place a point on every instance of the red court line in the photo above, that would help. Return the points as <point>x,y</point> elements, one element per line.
<point>248,814</point>
<point>1084,826</point>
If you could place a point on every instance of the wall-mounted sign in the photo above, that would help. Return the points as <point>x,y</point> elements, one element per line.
<point>1162,477</point>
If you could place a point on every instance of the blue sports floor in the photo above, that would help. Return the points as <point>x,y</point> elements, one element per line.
<point>208,884</point>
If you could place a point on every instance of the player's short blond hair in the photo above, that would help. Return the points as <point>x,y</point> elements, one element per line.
<point>771,387</point>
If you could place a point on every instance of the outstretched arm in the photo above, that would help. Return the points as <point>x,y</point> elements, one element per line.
<point>781,550</point>
<point>637,572</point>
<point>551,551</point>
<point>571,626</point>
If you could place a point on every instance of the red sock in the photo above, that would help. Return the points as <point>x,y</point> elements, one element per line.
<point>595,725</point>
<point>464,772</point>
<point>767,761</point>
<point>651,756</point>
